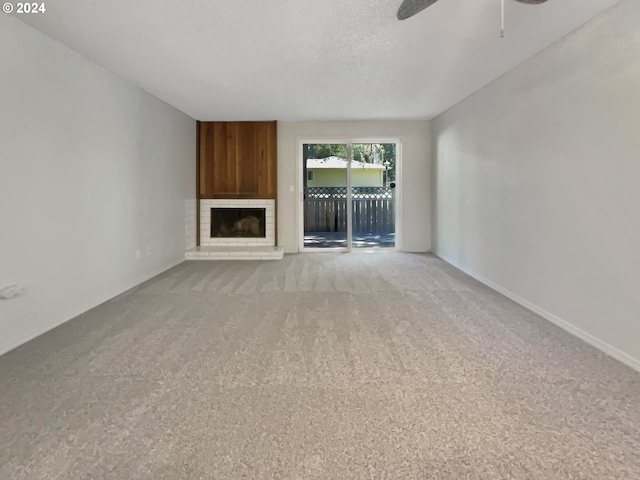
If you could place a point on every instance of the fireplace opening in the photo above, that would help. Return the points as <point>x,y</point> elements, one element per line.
<point>238,222</point>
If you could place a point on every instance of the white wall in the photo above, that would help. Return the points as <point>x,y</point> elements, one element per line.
<point>537,183</point>
<point>91,169</point>
<point>414,180</point>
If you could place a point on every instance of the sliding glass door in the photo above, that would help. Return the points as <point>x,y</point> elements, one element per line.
<point>325,187</point>
<point>348,196</point>
<point>373,189</point>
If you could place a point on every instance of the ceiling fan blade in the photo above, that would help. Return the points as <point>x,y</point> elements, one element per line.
<point>409,8</point>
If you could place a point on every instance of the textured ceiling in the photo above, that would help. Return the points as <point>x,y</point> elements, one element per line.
<point>308,59</point>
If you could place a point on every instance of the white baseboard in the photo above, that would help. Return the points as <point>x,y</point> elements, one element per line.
<point>22,339</point>
<point>572,329</point>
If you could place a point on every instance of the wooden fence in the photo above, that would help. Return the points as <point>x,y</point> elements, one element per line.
<point>325,209</point>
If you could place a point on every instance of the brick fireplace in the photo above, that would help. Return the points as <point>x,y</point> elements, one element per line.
<point>236,194</point>
<point>237,237</point>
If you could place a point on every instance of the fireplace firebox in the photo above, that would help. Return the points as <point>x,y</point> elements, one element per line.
<point>238,223</point>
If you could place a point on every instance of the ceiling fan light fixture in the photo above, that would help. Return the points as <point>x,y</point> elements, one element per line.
<point>531,2</point>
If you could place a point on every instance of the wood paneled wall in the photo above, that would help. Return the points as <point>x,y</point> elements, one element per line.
<point>237,160</point>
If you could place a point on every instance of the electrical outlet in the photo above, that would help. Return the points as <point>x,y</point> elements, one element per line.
<point>138,254</point>
<point>12,291</point>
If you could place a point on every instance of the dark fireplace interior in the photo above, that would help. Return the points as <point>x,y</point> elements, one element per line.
<point>237,222</point>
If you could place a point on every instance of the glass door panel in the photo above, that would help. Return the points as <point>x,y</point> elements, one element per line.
<point>325,192</point>
<point>373,189</point>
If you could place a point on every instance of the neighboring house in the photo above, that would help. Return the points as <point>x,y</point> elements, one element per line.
<point>332,172</point>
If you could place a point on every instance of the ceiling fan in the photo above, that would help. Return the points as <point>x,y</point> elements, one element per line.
<point>409,8</point>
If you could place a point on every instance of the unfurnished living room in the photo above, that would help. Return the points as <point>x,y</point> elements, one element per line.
<point>302,239</point>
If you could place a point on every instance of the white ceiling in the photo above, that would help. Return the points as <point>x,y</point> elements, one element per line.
<point>308,59</point>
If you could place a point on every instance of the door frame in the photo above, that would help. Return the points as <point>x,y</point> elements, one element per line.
<point>300,194</point>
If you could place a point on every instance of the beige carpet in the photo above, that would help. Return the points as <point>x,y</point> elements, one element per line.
<point>321,366</point>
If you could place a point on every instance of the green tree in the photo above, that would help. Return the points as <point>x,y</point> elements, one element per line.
<point>389,155</point>
<point>381,153</point>
<point>324,150</point>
